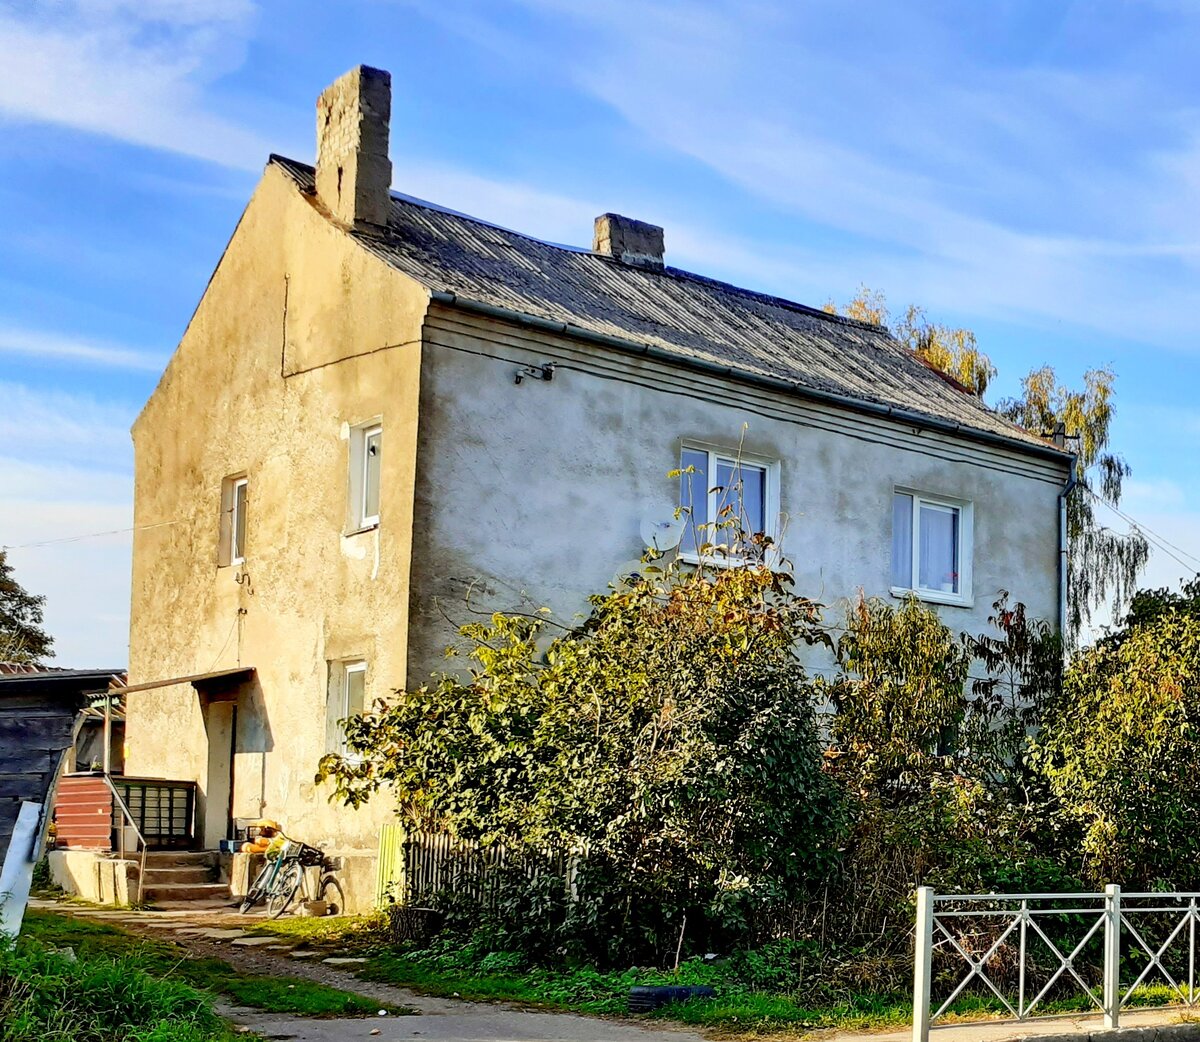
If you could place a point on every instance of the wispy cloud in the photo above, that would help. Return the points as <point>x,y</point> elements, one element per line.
<point>85,582</point>
<point>138,72</point>
<point>72,430</point>
<point>967,180</point>
<point>66,468</point>
<point>42,345</point>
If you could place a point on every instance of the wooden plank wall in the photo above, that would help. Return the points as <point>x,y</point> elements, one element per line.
<point>83,813</point>
<point>33,734</point>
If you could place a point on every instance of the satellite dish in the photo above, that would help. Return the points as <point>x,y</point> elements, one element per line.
<point>628,572</point>
<point>662,535</point>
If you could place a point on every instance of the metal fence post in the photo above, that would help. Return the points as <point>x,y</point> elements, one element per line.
<point>922,964</point>
<point>1112,955</point>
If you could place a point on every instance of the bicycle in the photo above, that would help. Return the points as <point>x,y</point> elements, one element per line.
<point>284,877</point>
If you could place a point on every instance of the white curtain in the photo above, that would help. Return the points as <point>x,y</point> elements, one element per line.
<point>902,518</point>
<point>939,548</point>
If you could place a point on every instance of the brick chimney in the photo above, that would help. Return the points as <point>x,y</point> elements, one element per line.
<point>354,173</point>
<point>629,241</point>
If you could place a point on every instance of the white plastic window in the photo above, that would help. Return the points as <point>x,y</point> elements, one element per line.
<point>720,487</point>
<point>930,547</point>
<point>234,513</point>
<point>366,459</point>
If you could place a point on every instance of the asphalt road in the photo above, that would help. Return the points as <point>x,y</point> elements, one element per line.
<point>471,1022</point>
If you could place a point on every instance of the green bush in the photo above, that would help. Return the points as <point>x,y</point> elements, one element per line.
<point>666,750</point>
<point>1120,752</point>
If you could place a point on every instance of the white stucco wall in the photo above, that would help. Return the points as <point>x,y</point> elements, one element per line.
<point>534,494</point>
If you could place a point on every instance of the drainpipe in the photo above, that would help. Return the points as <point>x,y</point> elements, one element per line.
<point>1063,570</point>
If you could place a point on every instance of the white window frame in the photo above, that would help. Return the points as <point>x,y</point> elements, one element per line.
<point>966,528</point>
<point>771,509</point>
<point>360,520</point>
<point>229,553</point>
<point>237,519</point>
<point>341,671</point>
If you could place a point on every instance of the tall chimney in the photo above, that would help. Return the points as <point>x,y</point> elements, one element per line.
<point>354,173</point>
<point>629,241</point>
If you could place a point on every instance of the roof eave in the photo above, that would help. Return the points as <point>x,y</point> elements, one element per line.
<point>1045,451</point>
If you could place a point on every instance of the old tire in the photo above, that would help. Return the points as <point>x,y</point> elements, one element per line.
<point>647,998</point>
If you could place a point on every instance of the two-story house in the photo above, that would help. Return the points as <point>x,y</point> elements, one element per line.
<point>382,407</point>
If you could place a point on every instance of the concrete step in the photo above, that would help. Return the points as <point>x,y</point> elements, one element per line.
<point>157,876</point>
<point>162,892</point>
<point>213,907</point>
<point>180,858</point>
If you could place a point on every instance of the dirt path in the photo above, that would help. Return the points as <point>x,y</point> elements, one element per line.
<point>443,1020</point>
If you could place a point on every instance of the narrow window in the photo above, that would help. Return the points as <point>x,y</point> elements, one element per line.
<point>722,490</point>
<point>372,447</point>
<point>347,698</point>
<point>234,509</point>
<point>238,550</point>
<point>930,547</point>
<point>354,688</point>
<point>366,458</point>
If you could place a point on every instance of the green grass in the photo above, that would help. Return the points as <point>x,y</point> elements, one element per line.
<point>584,989</point>
<point>45,996</point>
<point>166,961</point>
<point>737,1007</point>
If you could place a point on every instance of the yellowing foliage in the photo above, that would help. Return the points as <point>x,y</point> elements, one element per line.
<point>952,351</point>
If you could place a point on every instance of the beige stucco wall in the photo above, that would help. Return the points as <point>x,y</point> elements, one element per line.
<point>534,494</point>
<point>292,295</point>
<point>523,495</point>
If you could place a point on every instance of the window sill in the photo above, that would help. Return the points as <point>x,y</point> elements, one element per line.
<point>955,600</point>
<point>726,561</point>
<point>360,531</point>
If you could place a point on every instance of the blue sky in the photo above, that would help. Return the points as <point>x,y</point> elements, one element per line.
<point>1028,169</point>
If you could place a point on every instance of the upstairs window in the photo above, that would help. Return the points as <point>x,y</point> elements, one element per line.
<point>366,457</point>
<point>931,547</point>
<point>234,503</point>
<point>720,489</point>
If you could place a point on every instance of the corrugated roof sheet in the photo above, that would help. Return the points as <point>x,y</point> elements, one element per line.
<point>687,315</point>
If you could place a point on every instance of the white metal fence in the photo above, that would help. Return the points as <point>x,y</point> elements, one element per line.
<point>1023,951</point>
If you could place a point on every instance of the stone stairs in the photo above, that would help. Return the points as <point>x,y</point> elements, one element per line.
<point>185,879</point>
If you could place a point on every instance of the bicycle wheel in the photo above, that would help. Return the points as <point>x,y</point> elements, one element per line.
<point>331,893</point>
<point>257,889</point>
<point>283,893</point>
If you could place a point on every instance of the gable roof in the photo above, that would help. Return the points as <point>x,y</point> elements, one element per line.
<point>684,315</point>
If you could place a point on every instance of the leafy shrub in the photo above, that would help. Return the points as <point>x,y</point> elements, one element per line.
<point>776,966</point>
<point>1121,754</point>
<point>502,962</point>
<point>666,748</point>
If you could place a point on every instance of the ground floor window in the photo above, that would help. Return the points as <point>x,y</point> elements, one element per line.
<point>347,697</point>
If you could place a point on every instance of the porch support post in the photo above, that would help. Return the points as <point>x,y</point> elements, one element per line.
<point>107,761</point>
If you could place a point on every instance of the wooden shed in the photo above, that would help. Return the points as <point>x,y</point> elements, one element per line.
<point>40,713</point>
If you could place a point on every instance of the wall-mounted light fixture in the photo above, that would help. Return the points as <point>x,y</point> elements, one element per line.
<point>545,371</point>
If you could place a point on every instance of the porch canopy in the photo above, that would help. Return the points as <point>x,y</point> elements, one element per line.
<point>219,685</point>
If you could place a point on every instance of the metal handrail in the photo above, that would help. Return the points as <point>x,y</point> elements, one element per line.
<point>127,815</point>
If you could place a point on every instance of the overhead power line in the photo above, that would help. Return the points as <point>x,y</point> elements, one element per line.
<point>86,535</point>
<point>1159,541</point>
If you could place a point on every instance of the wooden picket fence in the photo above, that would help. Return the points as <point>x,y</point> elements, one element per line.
<point>414,867</point>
